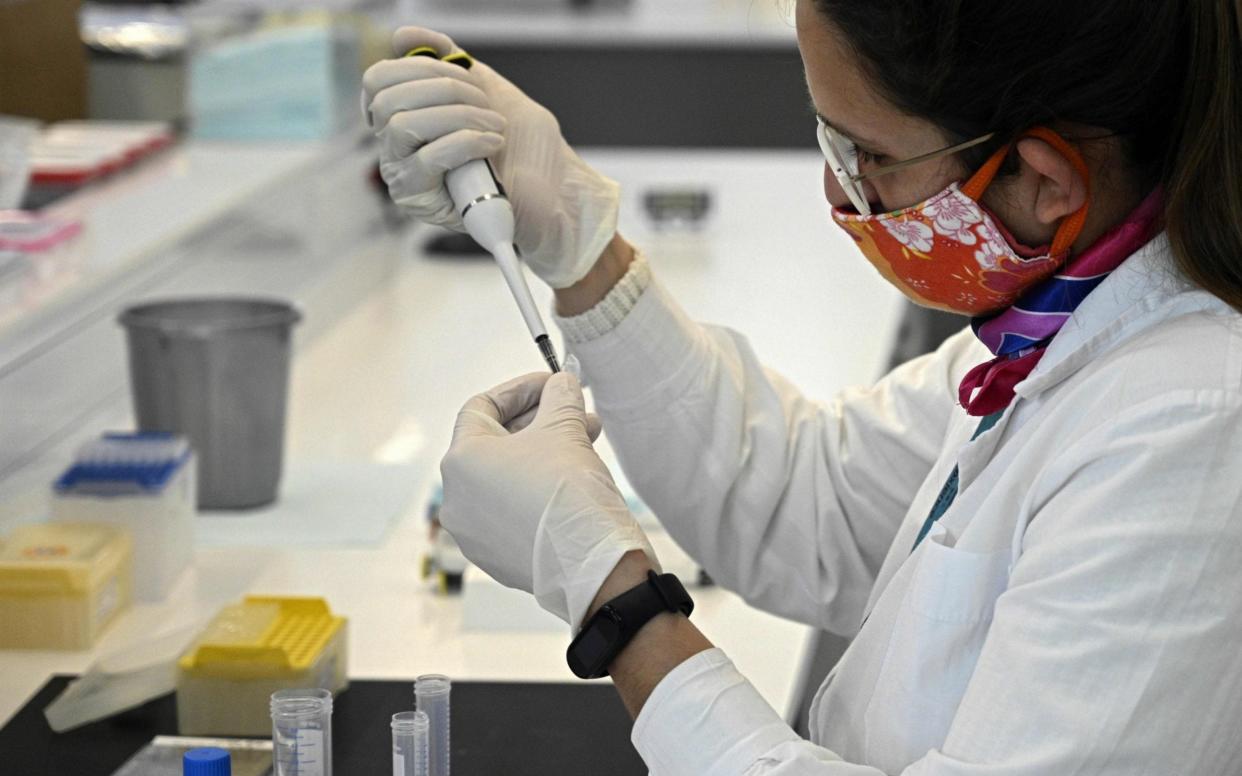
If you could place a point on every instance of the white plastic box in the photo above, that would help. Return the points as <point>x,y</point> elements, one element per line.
<point>61,584</point>
<point>144,483</point>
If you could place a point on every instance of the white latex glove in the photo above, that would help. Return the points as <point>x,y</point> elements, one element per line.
<point>537,509</point>
<point>432,117</point>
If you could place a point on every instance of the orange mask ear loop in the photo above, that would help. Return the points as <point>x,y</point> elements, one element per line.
<point>1072,225</point>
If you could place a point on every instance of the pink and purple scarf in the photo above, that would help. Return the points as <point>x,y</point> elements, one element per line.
<point>1019,335</point>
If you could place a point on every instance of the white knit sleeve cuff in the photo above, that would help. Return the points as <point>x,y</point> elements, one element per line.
<point>612,309</point>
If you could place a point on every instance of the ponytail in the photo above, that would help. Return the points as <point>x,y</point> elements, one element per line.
<point>1203,169</point>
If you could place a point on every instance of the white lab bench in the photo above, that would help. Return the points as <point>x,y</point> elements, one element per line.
<point>395,341</point>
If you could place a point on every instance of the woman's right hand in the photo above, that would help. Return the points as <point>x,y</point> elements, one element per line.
<point>431,117</point>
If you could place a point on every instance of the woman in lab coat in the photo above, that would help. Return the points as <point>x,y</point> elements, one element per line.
<point>1033,535</point>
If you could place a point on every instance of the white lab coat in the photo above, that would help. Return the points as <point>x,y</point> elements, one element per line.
<point>1078,610</point>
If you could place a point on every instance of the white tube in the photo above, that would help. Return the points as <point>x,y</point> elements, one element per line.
<point>431,696</point>
<point>422,744</point>
<point>302,732</point>
<point>409,743</point>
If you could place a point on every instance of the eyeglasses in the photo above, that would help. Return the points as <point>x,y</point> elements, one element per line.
<point>842,156</point>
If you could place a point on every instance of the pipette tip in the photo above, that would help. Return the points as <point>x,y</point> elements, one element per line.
<point>549,352</point>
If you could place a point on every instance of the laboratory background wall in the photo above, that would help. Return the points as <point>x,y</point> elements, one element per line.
<point>649,95</point>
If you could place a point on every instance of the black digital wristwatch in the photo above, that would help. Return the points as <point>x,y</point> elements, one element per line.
<point>611,628</point>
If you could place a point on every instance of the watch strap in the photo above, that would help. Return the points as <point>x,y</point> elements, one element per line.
<point>658,594</point>
<point>616,623</point>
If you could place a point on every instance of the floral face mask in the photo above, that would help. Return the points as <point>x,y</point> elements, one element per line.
<point>949,253</point>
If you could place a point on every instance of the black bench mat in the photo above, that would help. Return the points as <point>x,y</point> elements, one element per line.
<point>497,728</point>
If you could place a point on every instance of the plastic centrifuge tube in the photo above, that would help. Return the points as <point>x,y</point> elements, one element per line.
<point>409,744</point>
<point>302,733</point>
<point>431,695</point>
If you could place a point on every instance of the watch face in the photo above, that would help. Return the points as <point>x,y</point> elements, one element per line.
<point>593,649</point>
<point>594,642</point>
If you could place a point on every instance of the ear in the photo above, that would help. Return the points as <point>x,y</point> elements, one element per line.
<point>1059,189</point>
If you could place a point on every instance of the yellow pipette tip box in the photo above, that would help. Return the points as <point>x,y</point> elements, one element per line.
<point>249,651</point>
<point>62,584</point>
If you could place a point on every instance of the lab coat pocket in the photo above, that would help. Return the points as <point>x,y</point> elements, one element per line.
<point>936,640</point>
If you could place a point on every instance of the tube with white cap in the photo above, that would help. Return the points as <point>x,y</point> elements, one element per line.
<point>488,216</point>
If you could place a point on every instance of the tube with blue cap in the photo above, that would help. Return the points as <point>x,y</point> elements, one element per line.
<point>206,761</point>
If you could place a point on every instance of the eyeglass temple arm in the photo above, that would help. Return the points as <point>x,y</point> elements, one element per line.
<point>895,166</point>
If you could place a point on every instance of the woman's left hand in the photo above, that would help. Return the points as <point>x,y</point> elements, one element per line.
<point>536,508</point>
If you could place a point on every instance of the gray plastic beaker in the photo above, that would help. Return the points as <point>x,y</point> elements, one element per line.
<point>216,370</point>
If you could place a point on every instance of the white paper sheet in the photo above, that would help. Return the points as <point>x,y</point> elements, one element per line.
<point>337,503</point>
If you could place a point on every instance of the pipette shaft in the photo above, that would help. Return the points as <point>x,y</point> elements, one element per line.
<point>488,217</point>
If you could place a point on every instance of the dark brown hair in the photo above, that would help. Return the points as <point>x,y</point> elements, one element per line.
<point>1163,75</point>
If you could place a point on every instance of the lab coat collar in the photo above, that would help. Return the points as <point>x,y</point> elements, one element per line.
<point>1138,295</point>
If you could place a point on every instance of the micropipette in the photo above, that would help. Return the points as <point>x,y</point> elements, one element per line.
<point>484,208</point>
<point>489,220</point>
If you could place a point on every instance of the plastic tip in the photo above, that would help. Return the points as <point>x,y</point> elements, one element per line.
<point>549,352</point>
